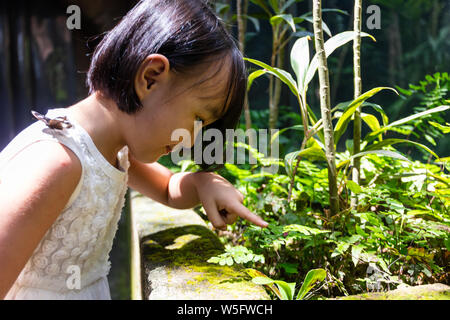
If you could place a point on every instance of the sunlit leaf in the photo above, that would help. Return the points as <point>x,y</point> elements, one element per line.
<point>284,76</point>
<point>353,186</point>
<point>343,121</point>
<point>385,153</point>
<point>313,276</point>
<point>300,60</point>
<point>373,135</point>
<point>331,45</point>
<point>389,142</point>
<point>276,20</point>
<point>253,76</point>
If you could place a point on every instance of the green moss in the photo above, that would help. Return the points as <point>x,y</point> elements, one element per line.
<point>158,248</point>
<point>194,246</point>
<point>426,292</point>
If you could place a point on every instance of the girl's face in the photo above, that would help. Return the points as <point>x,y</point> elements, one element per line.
<point>170,102</point>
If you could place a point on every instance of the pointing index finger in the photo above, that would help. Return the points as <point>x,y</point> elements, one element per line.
<point>243,212</point>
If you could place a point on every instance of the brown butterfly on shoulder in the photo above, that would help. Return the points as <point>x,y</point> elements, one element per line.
<point>58,123</point>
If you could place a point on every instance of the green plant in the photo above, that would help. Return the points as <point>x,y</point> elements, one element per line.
<point>238,255</point>
<point>430,93</point>
<point>276,12</point>
<point>286,291</point>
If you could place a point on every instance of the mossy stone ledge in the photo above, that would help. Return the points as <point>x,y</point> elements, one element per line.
<point>170,250</point>
<point>437,291</point>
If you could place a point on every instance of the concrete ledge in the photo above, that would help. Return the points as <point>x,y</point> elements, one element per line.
<point>169,253</point>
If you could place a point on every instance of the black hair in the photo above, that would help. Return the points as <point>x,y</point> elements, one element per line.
<point>187,33</point>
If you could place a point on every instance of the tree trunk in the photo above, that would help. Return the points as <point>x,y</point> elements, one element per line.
<point>435,18</point>
<point>325,107</point>
<point>242,8</point>
<point>358,90</point>
<point>395,51</point>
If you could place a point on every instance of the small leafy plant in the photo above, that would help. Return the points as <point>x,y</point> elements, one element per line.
<point>286,291</point>
<point>238,255</point>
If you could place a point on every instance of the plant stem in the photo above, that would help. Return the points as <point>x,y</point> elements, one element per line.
<point>358,90</point>
<point>273,112</point>
<point>242,9</point>
<point>325,108</point>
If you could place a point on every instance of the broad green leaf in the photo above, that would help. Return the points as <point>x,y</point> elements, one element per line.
<point>380,110</point>
<point>443,160</point>
<point>389,142</point>
<point>371,121</point>
<point>255,273</point>
<point>330,46</point>
<point>344,105</point>
<point>340,249</point>
<point>373,135</point>
<point>313,276</point>
<point>303,229</point>
<point>300,60</point>
<point>253,76</point>
<point>298,127</point>
<point>353,186</point>
<point>356,253</point>
<point>284,76</point>
<point>425,213</point>
<point>276,20</point>
<point>343,121</point>
<point>324,25</point>
<point>312,153</point>
<point>288,288</point>
<point>385,153</point>
<point>262,280</point>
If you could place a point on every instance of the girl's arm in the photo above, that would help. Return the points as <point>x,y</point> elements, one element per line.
<point>159,183</point>
<point>186,190</point>
<point>34,188</point>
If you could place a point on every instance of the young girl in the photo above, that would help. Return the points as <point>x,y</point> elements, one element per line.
<point>166,64</point>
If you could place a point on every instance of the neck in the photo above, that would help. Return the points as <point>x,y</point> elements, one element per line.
<point>100,118</point>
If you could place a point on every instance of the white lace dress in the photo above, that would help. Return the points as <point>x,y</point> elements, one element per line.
<point>72,259</point>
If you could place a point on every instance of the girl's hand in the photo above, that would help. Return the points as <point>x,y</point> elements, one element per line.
<point>222,202</point>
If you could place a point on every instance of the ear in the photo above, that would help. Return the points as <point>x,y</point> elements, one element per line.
<point>152,71</point>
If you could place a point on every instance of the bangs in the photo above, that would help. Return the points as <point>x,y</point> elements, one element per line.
<point>234,103</point>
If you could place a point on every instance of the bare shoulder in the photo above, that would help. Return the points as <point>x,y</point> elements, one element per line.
<point>44,169</point>
<point>44,158</point>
